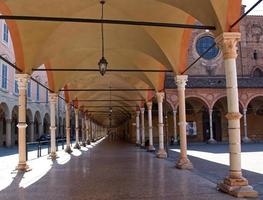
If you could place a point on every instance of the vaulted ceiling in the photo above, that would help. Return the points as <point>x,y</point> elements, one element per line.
<point>78,45</point>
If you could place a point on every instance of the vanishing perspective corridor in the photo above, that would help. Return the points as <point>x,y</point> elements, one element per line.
<point>115,170</point>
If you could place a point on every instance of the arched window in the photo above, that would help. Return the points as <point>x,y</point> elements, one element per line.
<point>257,73</point>
<point>204,43</point>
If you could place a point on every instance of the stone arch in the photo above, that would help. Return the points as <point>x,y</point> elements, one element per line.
<point>14,128</point>
<point>251,99</point>
<point>197,116</point>
<point>254,117</point>
<point>37,125</point>
<point>241,104</point>
<point>257,71</point>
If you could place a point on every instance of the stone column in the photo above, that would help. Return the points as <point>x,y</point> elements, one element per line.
<point>31,131</point>
<point>150,124</point>
<point>175,126</point>
<point>22,80</point>
<point>77,146</point>
<point>68,148</point>
<point>87,130</point>
<point>211,139</point>
<point>234,184</point>
<point>53,98</point>
<point>245,139</point>
<point>142,127</point>
<point>83,130</point>
<point>138,138</point>
<point>183,162</point>
<point>8,133</point>
<point>161,152</point>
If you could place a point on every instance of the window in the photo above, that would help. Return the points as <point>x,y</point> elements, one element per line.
<point>4,76</point>
<point>257,73</point>
<point>37,92</point>
<point>5,33</point>
<point>205,43</point>
<point>16,87</point>
<point>29,89</point>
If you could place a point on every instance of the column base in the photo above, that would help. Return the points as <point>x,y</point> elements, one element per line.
<point>68,150</point>
<point>84,144</point>
<point>237,187</point>
<point>184,163</point>
<point>138,145</point>
<point>77,146</point>
<point>161,154</point>
<point>151,148</point>
<point>23,167</point>
<point>53,156</point>
<point>88,142</point>
<point>142,146</point>
<point>212,141</point>
<point>246,140</point>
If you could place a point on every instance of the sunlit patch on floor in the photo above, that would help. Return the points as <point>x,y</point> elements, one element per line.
<point>251,161</point>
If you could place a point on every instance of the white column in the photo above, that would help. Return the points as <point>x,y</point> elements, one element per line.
<point>161,152</point>
<point>245,139</point>
<point>211,139</point>
<point>53,98</point>
<point>175,126</point>
<point>68,148</point>
<point>150,124</point>
<point>8,133</point>
<point>234,184</point>
<point>142,127</point>
<point>183,162</point>
<point>87,130</point>
<point>22,80</point>
<point>77,146</point>
<point>83,130</point>
<point>138,138</point>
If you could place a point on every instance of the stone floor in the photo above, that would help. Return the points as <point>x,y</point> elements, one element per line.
<point>211,161</point>
<point>110,170</point>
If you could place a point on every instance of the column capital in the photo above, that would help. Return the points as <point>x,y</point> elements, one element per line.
<point>174,112</point>
<point>142,110</point>
<point>137,113</point>
<point>227,42</point>
<point>160,97</point>
<point>244,110</point>
<point>53,97</point>
<point>181,81</point>
<point>76,110</point>
<point>22,80</point>
<point>149,105</point>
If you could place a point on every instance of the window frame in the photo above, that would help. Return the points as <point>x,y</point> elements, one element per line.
<point>4,24</point>
<point>6,78</point>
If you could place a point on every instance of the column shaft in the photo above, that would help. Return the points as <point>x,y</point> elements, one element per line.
<point>150,125</point>
<point>22,80</point>
<point>183,162</point>
<point>68,148</point>
<point>161,152</point>
<point>53,101</point>
<point>77,146</point>
<point>175,126</point>
<point>142,128</point>
<point>138,140</point>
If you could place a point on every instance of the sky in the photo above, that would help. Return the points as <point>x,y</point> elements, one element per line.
<point>257,11</point>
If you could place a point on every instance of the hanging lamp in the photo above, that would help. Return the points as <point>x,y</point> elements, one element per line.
<point>103,64</point>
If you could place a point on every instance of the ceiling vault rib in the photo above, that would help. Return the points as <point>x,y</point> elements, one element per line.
<point>106,90</point>
<point>108,100</point>
<point>105,21</point>
<point>97,70</point>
